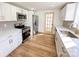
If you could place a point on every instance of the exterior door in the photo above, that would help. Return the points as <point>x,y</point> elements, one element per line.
<point>49,22</point>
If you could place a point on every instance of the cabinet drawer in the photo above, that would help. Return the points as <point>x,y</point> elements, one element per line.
<point>4,48</point>
<point>17,40</point>
<point>61,50</point>
<point>65,53</point>
<point>58,45</point>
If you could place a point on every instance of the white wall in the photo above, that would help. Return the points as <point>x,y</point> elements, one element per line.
<point>41,20</point>
<point>57,21</point>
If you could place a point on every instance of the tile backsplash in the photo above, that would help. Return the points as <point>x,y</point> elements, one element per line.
<point>67,25</point>
<point>7,24</point>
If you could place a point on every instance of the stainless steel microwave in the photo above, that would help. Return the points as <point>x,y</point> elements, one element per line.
<point>21,16</point>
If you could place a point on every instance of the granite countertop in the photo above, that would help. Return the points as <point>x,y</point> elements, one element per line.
<point>71,44</point>
<point>5,32</point>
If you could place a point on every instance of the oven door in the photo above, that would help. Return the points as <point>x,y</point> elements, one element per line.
<point>26,33</point>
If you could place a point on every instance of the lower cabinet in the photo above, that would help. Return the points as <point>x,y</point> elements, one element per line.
<point>4,48</point>
<point>17,40</point>
<point>61,51</point>
<point>10,43</point>
<point>58,46</point>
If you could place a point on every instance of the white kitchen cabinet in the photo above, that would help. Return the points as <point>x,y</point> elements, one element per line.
<point>2,9</point>
<point>61,51</point>
<point>16,40</point>
<point>68,12</point>
<point>24,11</point>
<point>6,45</point>
<point>58,45</point>
<point>0,13</point>
<point>26,20</point>
<point>10,42</point>
<point>13,13</point>
<point>19,37</point>
<point>18,10</point>
<point>4,48</point>
<point>8,12</point>
<point>76,21</point>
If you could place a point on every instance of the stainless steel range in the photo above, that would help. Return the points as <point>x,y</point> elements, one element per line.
<point>25,31</point>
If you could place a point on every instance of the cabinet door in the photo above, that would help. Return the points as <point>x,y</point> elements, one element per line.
<point>24,11</point>
<point>13,13</point>
<point>63,11</point>
<point>15,42</point>
<point>64,51</point>
<point>58,46</point>
<point>76,21</point>
<point>6,11</point>
<point>18,10</point>
<point>0,12</point>
<point>70,12</point>
<point>17,39</point>
<point>5,48</point>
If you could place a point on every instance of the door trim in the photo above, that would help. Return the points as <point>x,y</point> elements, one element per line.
<point>52,22</point>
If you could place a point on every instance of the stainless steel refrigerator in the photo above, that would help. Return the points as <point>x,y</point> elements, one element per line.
<point>35,23</point>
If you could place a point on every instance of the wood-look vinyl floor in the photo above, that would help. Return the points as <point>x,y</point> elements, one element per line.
<point>42,45</point>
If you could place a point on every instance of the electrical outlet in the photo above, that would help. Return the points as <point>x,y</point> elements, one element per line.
<point>5,25</point>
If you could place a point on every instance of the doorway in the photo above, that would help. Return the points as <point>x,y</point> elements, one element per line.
<point>49,19</point>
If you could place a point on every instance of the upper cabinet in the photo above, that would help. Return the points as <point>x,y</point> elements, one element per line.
<point>8,12</point>
<point>68,12</point>
<point>18,10</point>
<point>13,13</point>
<point>76,21</point>
<point>0,12</point>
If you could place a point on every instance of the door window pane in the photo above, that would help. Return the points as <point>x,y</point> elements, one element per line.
<point>49,18</point>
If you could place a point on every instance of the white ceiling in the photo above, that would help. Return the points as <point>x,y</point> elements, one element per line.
<point>39,5</point>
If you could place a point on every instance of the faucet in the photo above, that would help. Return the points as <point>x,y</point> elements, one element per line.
<point>75,27</point>
<point>71,25</point>
<point>76,30</point>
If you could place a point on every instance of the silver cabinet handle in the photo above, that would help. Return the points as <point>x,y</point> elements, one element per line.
<point>63,49</point>
<point>61,55</point>
<point>9,36</point>
<point>10,41</point>
<point>56,38</point>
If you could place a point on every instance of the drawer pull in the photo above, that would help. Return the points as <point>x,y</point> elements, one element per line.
<point>9,36</point>
<point>10,41</point>
<point>61,55</point>
<point>63,49</point>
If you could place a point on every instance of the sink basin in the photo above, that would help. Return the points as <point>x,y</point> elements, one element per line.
<point>68,34</point>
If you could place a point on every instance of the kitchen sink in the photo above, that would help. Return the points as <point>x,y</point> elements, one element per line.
<point>68,34</point>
